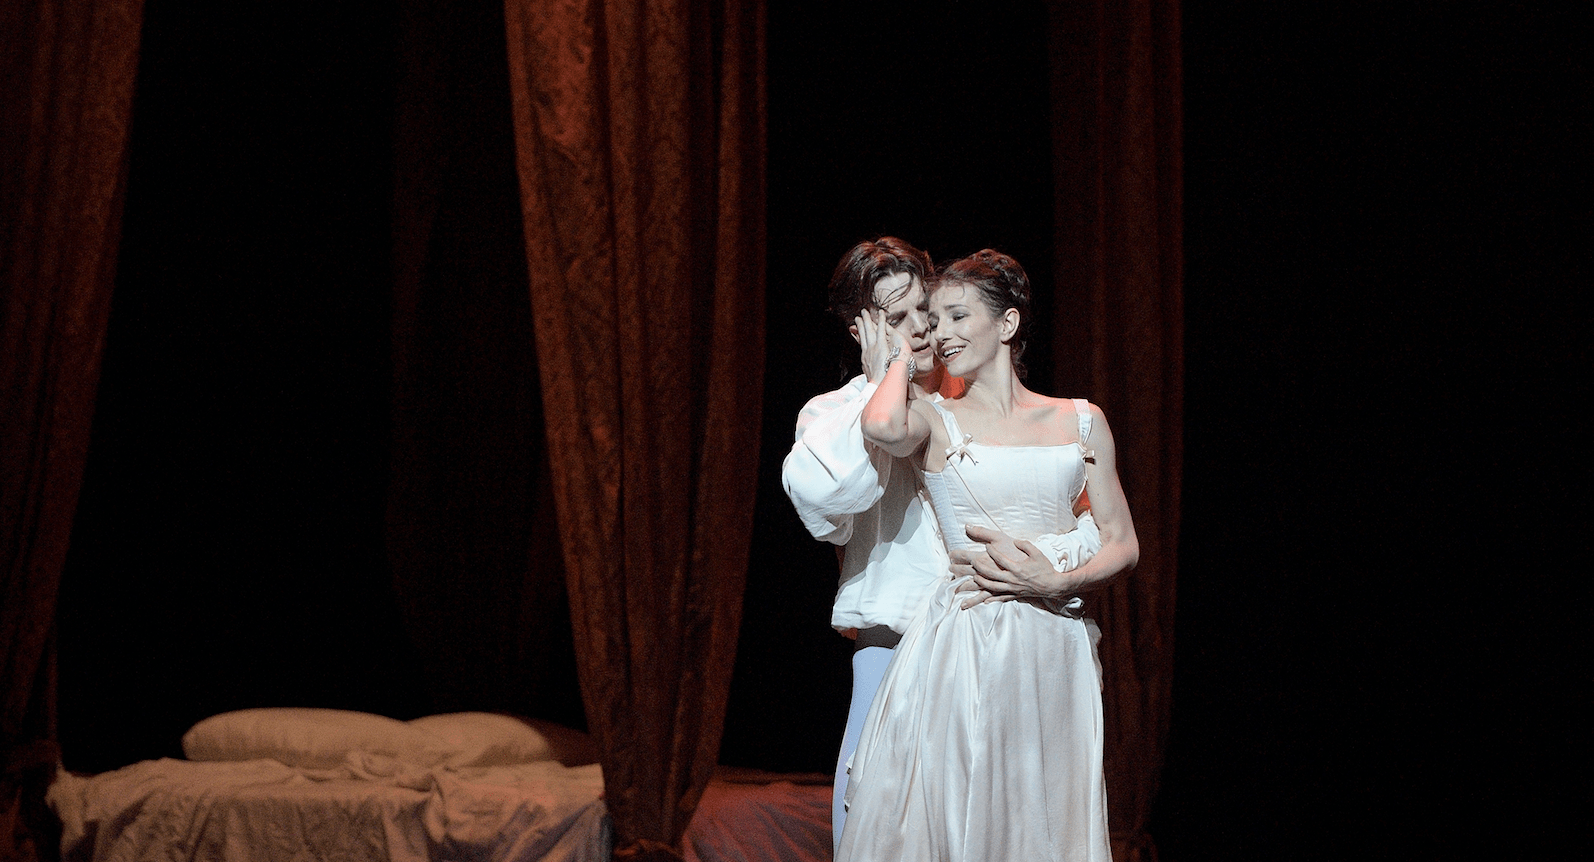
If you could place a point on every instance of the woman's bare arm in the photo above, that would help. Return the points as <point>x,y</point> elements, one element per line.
<point>889,420</point>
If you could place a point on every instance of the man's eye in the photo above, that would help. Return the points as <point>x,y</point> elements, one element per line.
<point>894,320</point>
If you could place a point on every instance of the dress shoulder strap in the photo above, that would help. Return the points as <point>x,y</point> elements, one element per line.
<point>958,447</point>
<point>1082,408</point>
<point>953,432</point>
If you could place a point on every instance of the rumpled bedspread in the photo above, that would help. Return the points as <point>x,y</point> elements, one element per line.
<point>369,808</point>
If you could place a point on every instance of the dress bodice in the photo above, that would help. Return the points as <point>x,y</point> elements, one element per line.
<point>1023,491</point>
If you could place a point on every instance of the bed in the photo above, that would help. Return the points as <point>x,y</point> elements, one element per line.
<point>272,785</point>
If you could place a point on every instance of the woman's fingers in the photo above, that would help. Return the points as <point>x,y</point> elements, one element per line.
<point>869,344</point>
<point>976,597</point>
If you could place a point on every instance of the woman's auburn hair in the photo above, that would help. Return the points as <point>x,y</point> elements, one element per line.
<point>1002,284</point>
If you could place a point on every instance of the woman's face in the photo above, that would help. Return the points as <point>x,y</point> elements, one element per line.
<point>901,297</point>
<point>967,335</point>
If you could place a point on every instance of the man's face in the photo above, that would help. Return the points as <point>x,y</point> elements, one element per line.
<point>901,297</point>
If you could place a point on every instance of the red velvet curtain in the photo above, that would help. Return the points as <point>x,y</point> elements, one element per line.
<point>66,100</point>
<point>1118,336</point>
<point>639,129</point>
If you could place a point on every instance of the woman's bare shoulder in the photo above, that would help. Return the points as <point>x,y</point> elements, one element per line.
<point>925,409</point>
<point>934,440</point>
<point>1059,408</point>
<point>1068,407</point>
<point>1064,415</point>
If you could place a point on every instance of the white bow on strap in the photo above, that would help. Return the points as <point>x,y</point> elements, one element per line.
<point>961,450</point>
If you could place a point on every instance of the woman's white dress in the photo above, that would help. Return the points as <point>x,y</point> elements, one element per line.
<point>984,741</point>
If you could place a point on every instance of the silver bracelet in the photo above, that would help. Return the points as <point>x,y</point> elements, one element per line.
<point>913,365</point>
<point>895,351</point>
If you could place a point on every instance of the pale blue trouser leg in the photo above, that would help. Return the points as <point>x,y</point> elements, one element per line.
<point>868,668</point>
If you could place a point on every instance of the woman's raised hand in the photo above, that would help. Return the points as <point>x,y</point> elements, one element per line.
<point>876,339</point>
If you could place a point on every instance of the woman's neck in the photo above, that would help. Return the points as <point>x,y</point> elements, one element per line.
<point>996,388</point>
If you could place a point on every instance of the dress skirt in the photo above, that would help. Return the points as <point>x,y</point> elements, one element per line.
<point>984,742</point>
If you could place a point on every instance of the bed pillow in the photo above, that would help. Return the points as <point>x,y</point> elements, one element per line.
<point>311,738</point>
<point>570,747</point>
<point>486,739</point>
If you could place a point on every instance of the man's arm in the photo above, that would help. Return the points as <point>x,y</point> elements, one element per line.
<point>830,473</point>
<point>1063,550</point>
<point>1031,573</point>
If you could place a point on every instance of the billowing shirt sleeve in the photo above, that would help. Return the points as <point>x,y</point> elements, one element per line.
<point>830,473</point>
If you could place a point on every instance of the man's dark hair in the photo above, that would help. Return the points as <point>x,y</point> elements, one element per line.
<point>852,284</point>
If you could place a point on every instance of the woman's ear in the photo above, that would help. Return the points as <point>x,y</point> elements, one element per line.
<point>1009,324</point>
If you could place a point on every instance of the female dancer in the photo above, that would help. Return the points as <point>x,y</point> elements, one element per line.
<point>985,739</point>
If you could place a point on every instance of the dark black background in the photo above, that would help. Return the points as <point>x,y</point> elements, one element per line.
<point>1386,211</point>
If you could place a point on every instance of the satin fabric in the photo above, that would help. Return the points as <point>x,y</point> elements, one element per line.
<point>985,739</point>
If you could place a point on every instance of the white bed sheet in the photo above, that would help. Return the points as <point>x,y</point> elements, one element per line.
<point>371,808</point>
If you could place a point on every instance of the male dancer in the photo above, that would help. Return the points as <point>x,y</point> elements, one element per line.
<point>858,497</point>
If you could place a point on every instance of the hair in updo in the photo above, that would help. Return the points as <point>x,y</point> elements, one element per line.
<point>1001,284</point>
<point>852,284</point>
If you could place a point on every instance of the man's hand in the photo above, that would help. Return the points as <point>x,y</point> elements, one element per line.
<point>1005,570</point>
<point>966,562</point>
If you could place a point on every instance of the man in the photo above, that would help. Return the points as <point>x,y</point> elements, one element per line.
<point>858,497</point>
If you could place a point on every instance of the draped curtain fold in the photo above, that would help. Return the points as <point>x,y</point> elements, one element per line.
<point>1116,92</point>
<point>639,133</point>
<point>66,98</point>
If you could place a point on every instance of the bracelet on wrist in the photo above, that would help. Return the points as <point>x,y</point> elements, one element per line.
<point>913,365</point>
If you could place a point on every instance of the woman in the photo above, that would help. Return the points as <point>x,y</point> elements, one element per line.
<point>985,739</point>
